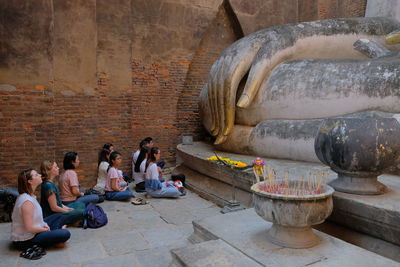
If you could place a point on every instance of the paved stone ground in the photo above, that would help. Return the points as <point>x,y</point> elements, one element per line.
<point>135,235</point>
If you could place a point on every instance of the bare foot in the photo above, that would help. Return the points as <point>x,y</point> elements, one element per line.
<point>60,245</point>
<point>64,226</point>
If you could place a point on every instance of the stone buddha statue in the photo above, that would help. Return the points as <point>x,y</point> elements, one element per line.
<point>269,91</point>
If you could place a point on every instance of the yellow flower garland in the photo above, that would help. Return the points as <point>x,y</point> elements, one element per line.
<point>232,163</point>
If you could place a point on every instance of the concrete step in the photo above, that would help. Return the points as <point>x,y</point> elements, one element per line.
<point>377,216</point>
<point>246,232</point>
<point>211,253</point>
<point>376,245</point>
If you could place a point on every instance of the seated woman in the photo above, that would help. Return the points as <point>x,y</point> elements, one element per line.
<point>135,155</point>
<point>153,186</point>
<point>109,147</point>
<point>104,157</point>
<point>138,173</point>
<point>28,227</point>
<point>69,183</point>
<point>116,188</point>
<point>50,196</point>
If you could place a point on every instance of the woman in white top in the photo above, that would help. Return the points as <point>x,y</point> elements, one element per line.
<point>153,186</point>
<point>138,171</point>
<point>28,227</point>
<point>103,164</point>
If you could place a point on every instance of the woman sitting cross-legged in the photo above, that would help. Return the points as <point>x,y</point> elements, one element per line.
<point>69,183</point>
<point>104,158</point>
<point>50,196</point>
<point>153,186</point>
<point>116,188</point>
<point>138,171</point>
<point>28,227</point>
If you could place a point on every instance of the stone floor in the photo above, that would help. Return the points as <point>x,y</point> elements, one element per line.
<point>135,235</point>
<point>244,236</point>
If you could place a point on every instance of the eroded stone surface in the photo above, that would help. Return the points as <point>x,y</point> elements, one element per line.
<point>294,72</point>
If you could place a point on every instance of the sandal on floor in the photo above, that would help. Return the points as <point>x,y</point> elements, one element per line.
<point>31,254</point>
<point>39,250</point>
<point>139,201</point>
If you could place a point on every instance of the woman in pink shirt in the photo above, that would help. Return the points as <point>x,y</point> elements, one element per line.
<point>69,183</point>
<point>116,188</point>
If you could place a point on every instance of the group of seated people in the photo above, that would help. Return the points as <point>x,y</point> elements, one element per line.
<point>43,225</point>
<point>147,172</point>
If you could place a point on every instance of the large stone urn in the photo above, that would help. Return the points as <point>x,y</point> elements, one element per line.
<point>359,149</point>
<point>292,216</point>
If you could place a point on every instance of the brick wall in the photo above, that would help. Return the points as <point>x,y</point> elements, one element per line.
<point>156,90</point>
<point>115,73</point>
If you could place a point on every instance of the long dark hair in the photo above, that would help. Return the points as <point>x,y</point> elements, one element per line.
<point>151,157</point>
<point>107,146</point>
<point>113,156</point>
<point>142,155</point>
<point>23,185</point>
<point>69,158</point>
<point>148,139</point>
<point>143,143</point>
<point>103,156</point>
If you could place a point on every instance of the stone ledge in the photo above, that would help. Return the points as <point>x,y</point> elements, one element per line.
<point>377,216</point>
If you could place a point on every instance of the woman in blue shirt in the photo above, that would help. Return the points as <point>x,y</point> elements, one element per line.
<point>50,196</point>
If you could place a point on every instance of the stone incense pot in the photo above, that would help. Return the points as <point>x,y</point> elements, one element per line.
<point>358,149</point>
<point>292,216</point>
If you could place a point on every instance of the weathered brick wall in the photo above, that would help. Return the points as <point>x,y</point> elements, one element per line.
<point>154,105</point>
<point>77,74</point>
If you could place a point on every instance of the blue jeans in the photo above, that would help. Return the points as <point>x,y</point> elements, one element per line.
<point>55,220</point>
<point>114,195</point>
<point>45,239</point>
<point>84,199</point>
<point>165,191</point>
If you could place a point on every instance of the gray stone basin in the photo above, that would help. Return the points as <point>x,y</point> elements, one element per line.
<point>292,216</point>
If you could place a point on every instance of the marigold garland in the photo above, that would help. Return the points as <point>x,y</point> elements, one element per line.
<point>228,161</point>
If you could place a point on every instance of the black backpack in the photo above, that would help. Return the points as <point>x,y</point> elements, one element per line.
<point>8,196</point>
<point>95,216</point>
